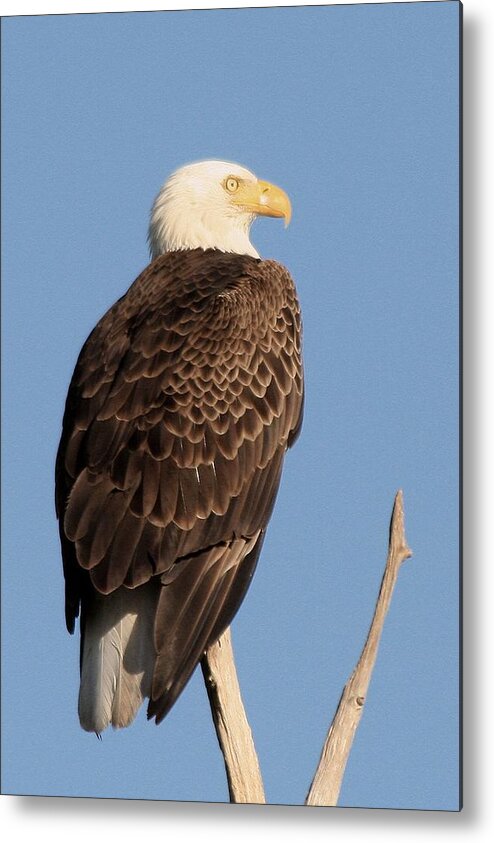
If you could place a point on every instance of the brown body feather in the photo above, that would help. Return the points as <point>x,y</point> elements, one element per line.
<point>182,404</point>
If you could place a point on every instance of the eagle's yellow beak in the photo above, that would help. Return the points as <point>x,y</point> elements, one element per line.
<point>265,199</point>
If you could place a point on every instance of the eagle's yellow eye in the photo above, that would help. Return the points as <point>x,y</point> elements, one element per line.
<point>231,184</point>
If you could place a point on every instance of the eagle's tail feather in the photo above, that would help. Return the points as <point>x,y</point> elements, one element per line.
<point>117,656</point>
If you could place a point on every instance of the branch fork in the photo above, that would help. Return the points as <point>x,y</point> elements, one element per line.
<point>230,720</point>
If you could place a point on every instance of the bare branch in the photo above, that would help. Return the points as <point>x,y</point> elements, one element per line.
<point>232,728</point>
<point>326,785</point>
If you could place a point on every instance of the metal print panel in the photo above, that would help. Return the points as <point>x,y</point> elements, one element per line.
<point>191,496</point>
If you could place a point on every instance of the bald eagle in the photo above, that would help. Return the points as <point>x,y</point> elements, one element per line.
<point>183,402</point>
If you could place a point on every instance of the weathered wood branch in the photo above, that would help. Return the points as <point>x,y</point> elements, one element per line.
<point>232,728</point>
<point>326,785</point>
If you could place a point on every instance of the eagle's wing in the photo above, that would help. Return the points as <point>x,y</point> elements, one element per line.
<point>181,407</point>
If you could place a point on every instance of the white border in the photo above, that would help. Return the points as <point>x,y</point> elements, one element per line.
<point>77,820</point>
<point>45,7</point>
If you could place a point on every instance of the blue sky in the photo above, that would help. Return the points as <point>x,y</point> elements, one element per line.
<point>354,111</point>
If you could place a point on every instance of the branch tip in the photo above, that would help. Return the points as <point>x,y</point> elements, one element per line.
<point>397,538</point>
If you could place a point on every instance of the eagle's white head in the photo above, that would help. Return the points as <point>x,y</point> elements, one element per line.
<point>211,205</point>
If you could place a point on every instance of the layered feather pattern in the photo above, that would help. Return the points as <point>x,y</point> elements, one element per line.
<point>183,402</point>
